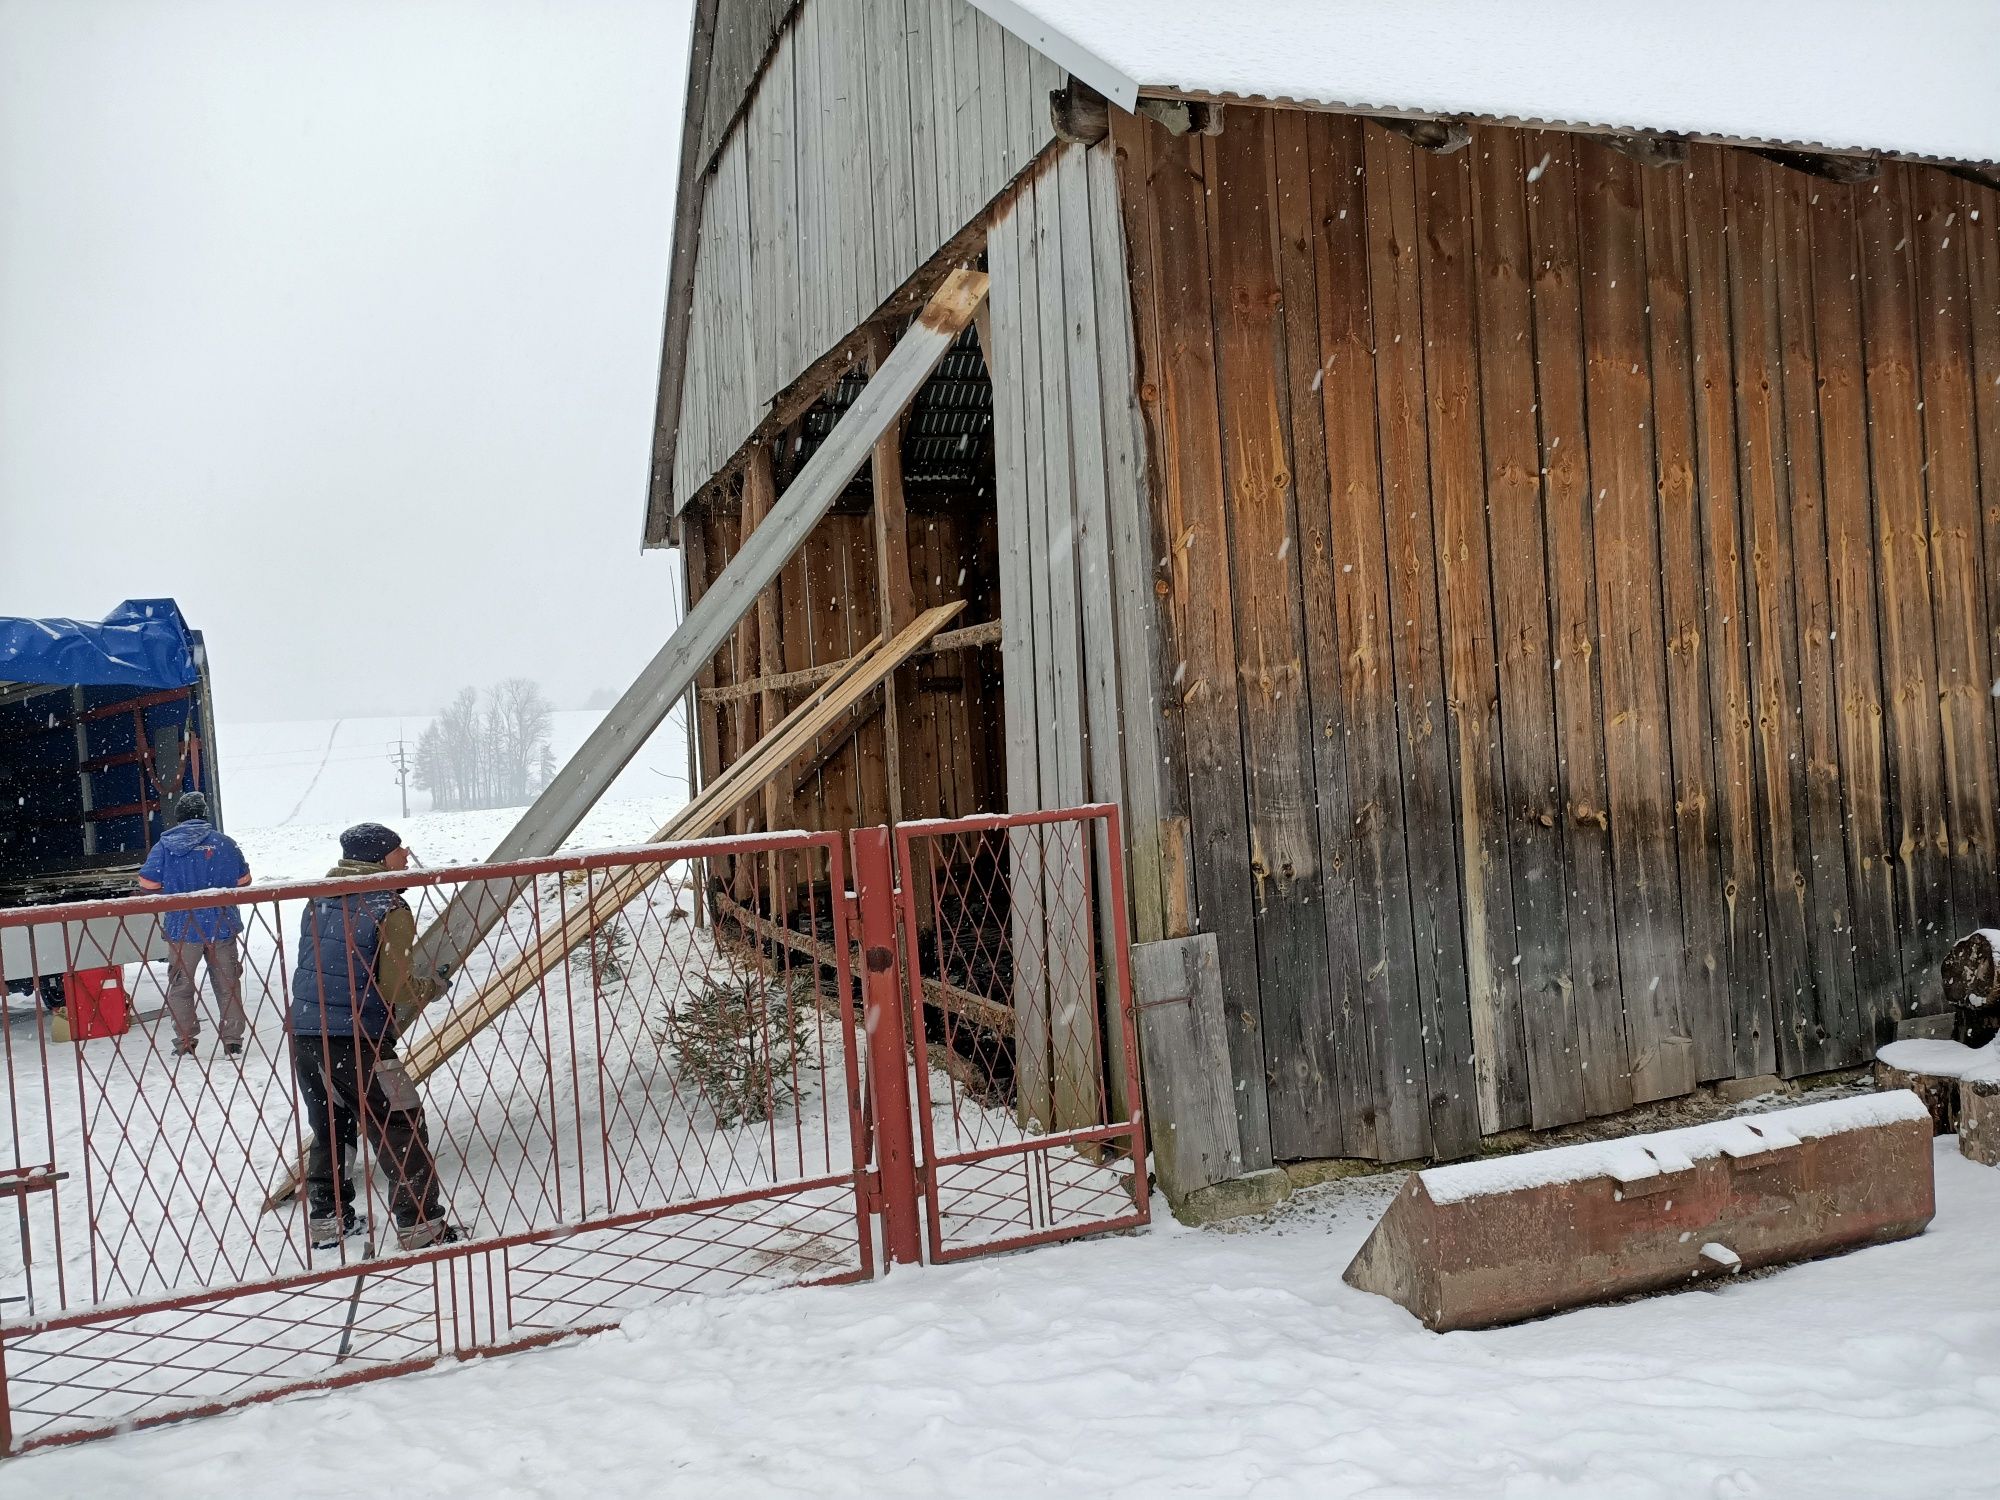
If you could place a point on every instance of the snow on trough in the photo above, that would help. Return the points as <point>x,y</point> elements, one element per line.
<point>1638,1157</point>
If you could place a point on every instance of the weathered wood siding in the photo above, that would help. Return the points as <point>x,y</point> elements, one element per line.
<point>877,130</point>
<point>1082,652</point>
<point>1580,587</point>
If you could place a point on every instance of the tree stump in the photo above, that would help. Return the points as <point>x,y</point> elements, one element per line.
<point>1939,1093</point>
<point>1979,1120</point>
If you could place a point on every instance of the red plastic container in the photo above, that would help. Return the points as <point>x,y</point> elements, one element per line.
<point>97,1003</point>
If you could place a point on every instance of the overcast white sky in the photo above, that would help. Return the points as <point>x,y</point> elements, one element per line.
<point>340,323</point>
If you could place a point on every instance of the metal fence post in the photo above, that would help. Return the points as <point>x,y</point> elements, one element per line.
<point>888,1045</point>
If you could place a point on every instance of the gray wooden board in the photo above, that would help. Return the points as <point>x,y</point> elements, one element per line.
<point>1130,585</point>
<point>743,34</point>
<point>1101,663</point>
<point>1183,1041</point>
<point>1017,483</point>
<point>1073,1039</point>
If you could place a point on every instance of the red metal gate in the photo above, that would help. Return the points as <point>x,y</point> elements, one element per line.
<point>677,1104</point>
<point>1009,942</point>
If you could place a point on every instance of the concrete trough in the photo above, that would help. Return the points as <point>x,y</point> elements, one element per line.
<point>1485,1243</point>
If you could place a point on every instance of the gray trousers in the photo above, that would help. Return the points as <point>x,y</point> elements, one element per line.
<point>225,976</point>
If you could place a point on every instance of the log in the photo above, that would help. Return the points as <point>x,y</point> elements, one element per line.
<point>1938,1091</point>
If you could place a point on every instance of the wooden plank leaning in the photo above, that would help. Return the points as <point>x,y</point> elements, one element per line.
<point>770,756</point>
<point>575,789</point>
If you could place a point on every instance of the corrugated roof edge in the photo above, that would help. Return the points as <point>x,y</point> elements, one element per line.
<point>1536,122</point>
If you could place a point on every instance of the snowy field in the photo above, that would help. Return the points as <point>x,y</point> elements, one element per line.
<point>1180,1362</point>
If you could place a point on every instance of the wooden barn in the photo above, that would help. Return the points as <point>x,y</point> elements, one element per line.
<point>1510,513</point>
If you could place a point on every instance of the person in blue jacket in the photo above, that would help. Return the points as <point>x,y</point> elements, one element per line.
<point>193,855</point>
<point>353,994</point>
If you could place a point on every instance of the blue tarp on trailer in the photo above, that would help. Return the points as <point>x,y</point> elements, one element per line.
<point>143,643</point>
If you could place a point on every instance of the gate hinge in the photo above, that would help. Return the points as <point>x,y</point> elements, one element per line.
<point>871,1192</point>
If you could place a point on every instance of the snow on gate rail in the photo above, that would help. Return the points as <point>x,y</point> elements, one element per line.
<point>658,1114</point>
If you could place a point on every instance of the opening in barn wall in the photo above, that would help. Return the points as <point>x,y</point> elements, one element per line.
<point>1577,576</point>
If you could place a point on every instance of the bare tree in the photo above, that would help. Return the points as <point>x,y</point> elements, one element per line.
<point>473,757</point>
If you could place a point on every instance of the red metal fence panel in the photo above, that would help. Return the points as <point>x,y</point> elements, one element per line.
<point>1019,974</point>
<point>660,1091</point>
<point>658,1113</point>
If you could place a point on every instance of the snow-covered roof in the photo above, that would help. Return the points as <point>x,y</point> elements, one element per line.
<point>1915,78</point>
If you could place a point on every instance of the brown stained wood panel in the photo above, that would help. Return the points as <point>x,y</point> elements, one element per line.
<point>1531,806</point>
<point>1717,492</point>
<point>1826,1032</point>
<point>1763,467</point>
<point>1857,662</point>
<point>1190,446</point>
<point>1395,240</point>
<point>1704,909</point>
<point>1917,797</point>
<point>1938,232</point>
<point>1383,1040</point>
<point>1471,650</point>
<point>1302,142</point>
<point>1625,530</point>
<point>1568,492</point>
<point>1260,538</point>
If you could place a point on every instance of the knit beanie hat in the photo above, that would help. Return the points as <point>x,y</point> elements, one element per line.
<point>370,843</point>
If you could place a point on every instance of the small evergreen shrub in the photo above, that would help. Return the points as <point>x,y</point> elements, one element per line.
<point>740,1039</point>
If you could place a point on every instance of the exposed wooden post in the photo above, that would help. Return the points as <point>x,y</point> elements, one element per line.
<point>759,491</point>
<point>894,590</point>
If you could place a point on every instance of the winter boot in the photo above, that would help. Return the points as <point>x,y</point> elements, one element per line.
<point>326,1233</point>
<point>425,1234</point>
<point>233,1050</point>
<point>186,1048</point>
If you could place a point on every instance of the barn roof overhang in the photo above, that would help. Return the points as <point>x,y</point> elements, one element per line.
<point>1831,76</point>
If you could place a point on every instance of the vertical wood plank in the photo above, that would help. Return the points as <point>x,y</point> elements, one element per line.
<point>1260,539</point>
<point>917,21</point>
<point>1471,656</point>
<point>1382,1046</point>
<point>1191,495</point>
<point>885,76</point>
<point>1632,656</point>
<point>1727,634</point>
<point>1938,232</point>
<point>1531,800</point>
<point>1925,920</point>
<point>1857,663</point>
<point>1704,908</point>
<point>1018,478</point>
<point>1568,486</point>
<point>1827,1031</point>
<point>1302,143</point>
<point>1394,277</point>
<point>1763,465</point>
<point>1981,221</point>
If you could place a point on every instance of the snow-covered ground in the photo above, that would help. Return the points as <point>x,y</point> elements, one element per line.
<point>1180,1362</point>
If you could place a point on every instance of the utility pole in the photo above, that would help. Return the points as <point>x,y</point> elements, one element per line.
<point>401,761</point>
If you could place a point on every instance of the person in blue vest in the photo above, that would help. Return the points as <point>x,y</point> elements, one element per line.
<point>193,855</point>
<point>353,993</point>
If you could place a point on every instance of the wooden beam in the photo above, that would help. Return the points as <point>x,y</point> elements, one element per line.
<point>556,812</point>
<point>1080,114</point>
<point>1832,168</point>
<point>758,493</point>
<point>1651,150</point>
<point>1440,136</point>
<point>987,634</point>
<point>498,992</point>
<point>960,1004</point>
<point>895,595</point>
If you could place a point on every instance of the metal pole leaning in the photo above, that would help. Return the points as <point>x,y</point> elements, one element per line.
<point>885,1025</point>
